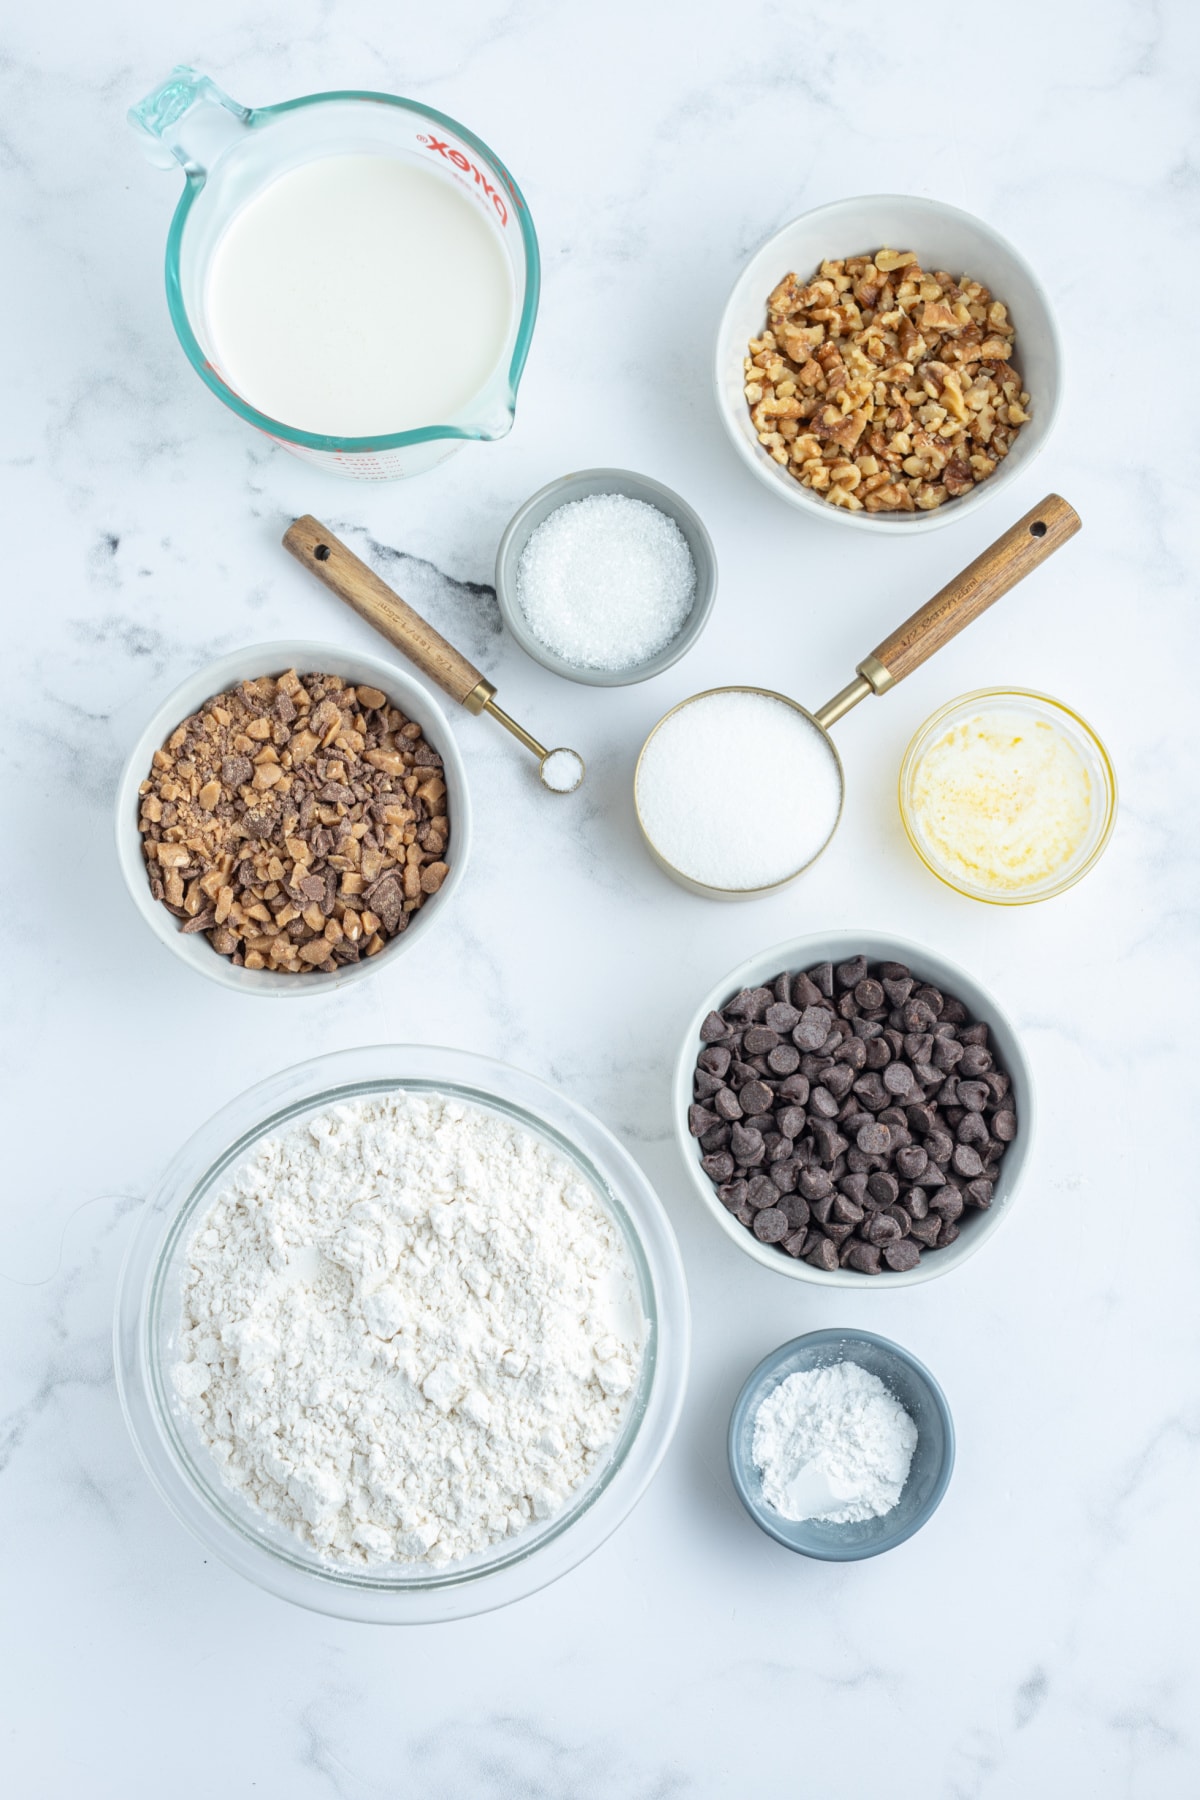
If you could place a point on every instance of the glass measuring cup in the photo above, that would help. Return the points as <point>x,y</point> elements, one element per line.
<point>229,153</point>
<point>1021,549</point>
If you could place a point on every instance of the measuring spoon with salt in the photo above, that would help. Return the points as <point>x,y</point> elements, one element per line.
<point>754,839</point>
<point>560,770</point>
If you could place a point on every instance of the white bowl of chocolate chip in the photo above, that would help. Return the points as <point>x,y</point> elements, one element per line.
<point>293,817</point>
<point>888,1110</point>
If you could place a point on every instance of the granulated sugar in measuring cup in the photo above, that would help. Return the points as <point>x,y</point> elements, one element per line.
<point>351,272</point>
<point>692,777</point>
<point>738,790</point>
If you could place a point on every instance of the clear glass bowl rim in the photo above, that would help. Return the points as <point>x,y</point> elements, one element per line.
<point>599,1507</point>
<point>257,116</point>
<point>917,745</point>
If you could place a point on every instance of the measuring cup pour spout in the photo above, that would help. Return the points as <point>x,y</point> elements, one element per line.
<point>189,121</point>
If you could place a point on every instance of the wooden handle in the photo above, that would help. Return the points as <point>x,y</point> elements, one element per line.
<point>373,600</point>
<point>1022,548</point>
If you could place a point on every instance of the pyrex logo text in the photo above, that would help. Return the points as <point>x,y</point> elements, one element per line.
<point>456,157</point>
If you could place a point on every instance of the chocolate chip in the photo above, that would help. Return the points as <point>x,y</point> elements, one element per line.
<point>805,992</point>
<point>901,1256</point>
<point>755,1097</point>
<point>714,1028</point>
<point>716,1139</point>
<point>794,1244</point>
<point>974,1095</point>
<point>967,1161</point>
<point>795,1089</point>
<point>813,1028</point>
<point>750,1004</point>
<point>860,1256</point>
<point>838,1080</point>
<point>747,1146</point>
<point>851,1053</point>
<point>911,1161</point>
<point>715,1060</point>
<point>978,1193</point>
<point>883,1187</point>
<point>1004,1124</point>
<point>822,978</point>
<point>771,1225</point>
<point>822,1254</point>
<point>850,973</point>
<point>718,1167</point>
<point>732,1194</point>
<point>783,1060</point>
<point>762,1192</point>
<point>701,1119</point>
<point>727,1105</point>
<point>868,994</point>
<point>759,1039</point>
<point>875,1140</point>
<point>781,1017</point>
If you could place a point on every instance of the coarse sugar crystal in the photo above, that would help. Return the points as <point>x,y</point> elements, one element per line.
<point>606,582</point>
<point>738,789</point>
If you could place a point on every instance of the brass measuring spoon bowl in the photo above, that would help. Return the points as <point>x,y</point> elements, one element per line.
<point>373,600</point>
<point>1020,550</point>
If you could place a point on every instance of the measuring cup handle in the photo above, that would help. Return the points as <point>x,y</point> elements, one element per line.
<point>1022,548</point>
<point>373,600</point>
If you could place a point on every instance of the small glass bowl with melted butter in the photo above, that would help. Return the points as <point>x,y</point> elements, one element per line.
<point>1007,796</point>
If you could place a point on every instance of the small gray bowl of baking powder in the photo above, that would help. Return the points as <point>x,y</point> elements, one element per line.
<point>606,577</point>
<point>909,1385</point>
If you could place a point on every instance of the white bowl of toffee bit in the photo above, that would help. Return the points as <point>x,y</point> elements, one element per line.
<point>888,362</point>
<point>293,817</point>
<point>854,1110</point>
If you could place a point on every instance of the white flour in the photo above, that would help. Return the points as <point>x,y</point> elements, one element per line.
<point>410,1329</point>
<point>833,1444</point>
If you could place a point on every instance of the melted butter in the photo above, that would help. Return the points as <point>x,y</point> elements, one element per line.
<point>1002,800</point>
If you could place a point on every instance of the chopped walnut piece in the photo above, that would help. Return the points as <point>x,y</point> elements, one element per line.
<point>884,387</point>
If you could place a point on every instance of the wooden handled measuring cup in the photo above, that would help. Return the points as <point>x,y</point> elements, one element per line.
<point>311,543</point>
<point>1023,548</point>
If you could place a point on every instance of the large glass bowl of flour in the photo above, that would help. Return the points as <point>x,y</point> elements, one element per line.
<point>149,1319</point>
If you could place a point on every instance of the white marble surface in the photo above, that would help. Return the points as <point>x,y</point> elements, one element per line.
<point>1038,1638</point>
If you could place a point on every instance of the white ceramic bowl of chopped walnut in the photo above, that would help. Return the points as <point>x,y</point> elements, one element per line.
<point>889,363</point>
<point>293,817</point>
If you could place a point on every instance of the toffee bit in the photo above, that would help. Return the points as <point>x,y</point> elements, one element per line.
<point>297,821</point>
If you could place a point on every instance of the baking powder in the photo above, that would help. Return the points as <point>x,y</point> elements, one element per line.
<point>410,1329</point>
<point>833,1444</point>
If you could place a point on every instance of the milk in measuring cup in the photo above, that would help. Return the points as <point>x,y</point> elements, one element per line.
<point>357,296</point>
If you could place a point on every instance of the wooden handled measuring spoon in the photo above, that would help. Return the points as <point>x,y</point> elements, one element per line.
<point>311,543</point>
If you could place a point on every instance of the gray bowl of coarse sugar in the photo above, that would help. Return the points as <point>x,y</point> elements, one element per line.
<point>608,583</point>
